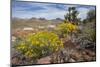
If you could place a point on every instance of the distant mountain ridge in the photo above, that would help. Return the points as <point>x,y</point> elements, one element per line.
<point>33,22</point>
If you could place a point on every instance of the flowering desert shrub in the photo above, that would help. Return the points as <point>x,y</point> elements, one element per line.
<point>65,29</point>
<point>39,45</point>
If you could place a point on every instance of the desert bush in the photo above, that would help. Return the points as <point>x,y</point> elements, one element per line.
<point>39,45</point>
<point>65,29</point>
<point>87,37</point>
<point>71,15</point>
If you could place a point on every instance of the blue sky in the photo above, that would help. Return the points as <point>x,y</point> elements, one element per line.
<point>45,10</point>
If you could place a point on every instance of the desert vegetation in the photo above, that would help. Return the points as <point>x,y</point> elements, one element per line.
<point>42,41</point>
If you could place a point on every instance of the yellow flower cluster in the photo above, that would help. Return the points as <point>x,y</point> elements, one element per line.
<point>37,44</point>
<point>66,28</point>
<point>71,27</point>
<point>45,38</point>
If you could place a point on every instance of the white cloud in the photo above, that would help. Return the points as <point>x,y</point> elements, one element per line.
<point>45,10</point>
<point>82,13</point>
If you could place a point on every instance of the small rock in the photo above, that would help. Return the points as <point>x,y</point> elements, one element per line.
<point>72,60</point>
<point>45,60</point>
